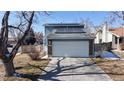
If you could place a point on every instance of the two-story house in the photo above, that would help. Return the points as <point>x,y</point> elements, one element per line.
<point>68,40</point>
<point>115,36</point>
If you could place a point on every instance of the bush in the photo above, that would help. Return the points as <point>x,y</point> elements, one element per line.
<point>34,51</point>
<point>30,38</point>
<point>35,56</point>
<point>31,48</point>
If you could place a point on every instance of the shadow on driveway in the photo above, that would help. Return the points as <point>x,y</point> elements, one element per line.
<point>61,70</point>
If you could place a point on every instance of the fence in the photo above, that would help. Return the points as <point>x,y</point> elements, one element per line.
<point>103,46</point>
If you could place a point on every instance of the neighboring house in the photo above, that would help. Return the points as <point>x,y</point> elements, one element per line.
<point>11,39</point>
<point>69,40</point>
<point>103,35</point>
<point>113,35</point>
<point>117,38</point>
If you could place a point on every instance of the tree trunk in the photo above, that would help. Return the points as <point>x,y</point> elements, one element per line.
<point>9,68</point>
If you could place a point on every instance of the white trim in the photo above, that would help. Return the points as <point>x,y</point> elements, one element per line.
<point>114,34</point>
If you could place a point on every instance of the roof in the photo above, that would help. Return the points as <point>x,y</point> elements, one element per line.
<point>117,31</point>
<point>64,24</point>
<point>71,36</point>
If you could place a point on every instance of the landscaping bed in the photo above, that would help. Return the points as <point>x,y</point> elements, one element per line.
<point>31,69</point>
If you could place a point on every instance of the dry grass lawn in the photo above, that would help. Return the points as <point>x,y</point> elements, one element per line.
<point>1,73</point>
<point>119,53</point>
<point>115,69</point>
<point>31,69</point>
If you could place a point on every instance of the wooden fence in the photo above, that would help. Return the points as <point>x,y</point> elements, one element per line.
<point>103,47</point>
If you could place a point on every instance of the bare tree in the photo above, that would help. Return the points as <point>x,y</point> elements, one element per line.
<point>119,14</point>
<point>116,17</point>
<point>88,25</point>
<point>25,25</point>
<point>39,37</point>
<point>30,38</point>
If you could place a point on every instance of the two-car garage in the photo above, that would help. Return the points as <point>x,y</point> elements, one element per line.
<point>68,40</point>
<point>70,48</point>
<point>70,45</point>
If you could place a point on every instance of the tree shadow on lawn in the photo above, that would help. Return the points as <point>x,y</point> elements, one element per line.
<point>32,76</point>
<point>51,75</point>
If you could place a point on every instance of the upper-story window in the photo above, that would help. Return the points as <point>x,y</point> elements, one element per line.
<point>68,29</point>
<point>64,28</point>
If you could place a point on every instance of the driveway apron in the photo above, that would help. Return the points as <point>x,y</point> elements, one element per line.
<point>73,69</point>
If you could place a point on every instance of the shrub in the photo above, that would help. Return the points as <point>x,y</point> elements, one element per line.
<point>35,56</point>
<point>30,38</point>
<point>31,48</point>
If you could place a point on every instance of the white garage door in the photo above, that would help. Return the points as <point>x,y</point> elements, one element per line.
<point>70,48</point>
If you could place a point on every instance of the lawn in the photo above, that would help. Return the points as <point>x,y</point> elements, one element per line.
<point>119,53</point>
<point>31,69</point>
<point>115,68</point>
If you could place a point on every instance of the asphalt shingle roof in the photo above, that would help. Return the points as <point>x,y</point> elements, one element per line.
<point>118,31</point>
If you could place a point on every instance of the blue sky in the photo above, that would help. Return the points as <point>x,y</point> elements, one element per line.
<point>71,16</point>
<point>96,17</point>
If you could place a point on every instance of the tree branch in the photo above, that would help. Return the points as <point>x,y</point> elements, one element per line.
<point>10,26</point>
<point>15,49</point>
<point>117,14</point>
<point>123,15</point>
<point>24,15</point>
<point>4,32</point>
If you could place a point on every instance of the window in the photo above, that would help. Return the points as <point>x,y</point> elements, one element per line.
<point>49,42</point>
<point>100,40</point>
<point>69,29</point>
<point>116,40</point>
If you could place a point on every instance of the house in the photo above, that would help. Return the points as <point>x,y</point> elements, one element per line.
<point>113,35</point>
<point>117,38</point>
<point>68,40</point>
<point>103,35</point>
<point>11,38</point>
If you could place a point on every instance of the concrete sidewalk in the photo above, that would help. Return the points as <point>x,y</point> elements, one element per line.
<point>73,69</point>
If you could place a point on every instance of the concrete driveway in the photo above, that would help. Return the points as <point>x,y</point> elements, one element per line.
<point>73,69</point>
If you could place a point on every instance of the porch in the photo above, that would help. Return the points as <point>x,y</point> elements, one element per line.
<point>117,42</point>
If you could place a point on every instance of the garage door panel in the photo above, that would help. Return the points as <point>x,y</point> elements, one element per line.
<point>70,48</point>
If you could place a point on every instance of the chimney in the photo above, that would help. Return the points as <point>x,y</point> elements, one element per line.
<point>104,32</point>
